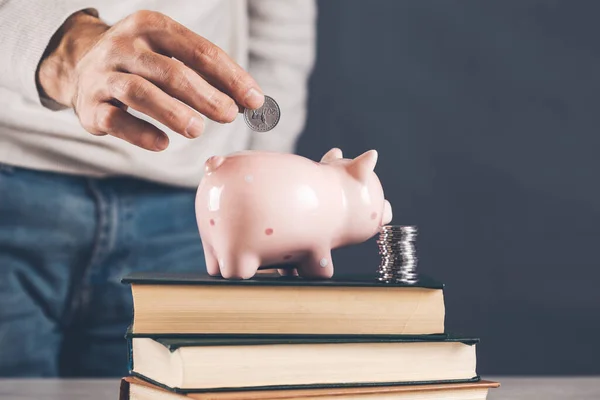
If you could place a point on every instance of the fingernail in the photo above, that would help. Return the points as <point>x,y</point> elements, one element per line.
<point>254,98</point>
<point>194,128</point>
<point>161,142</point>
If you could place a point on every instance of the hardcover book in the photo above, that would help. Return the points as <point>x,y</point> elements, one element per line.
<point>133,388</point>
<point>166,303</point>
<point>200,363</point>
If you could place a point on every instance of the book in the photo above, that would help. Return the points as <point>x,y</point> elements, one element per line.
<point>194,364</point>
<point>133,388</point>
<point>352,305</point>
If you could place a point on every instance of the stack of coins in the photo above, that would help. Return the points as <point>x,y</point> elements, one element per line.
<point>398,254</point>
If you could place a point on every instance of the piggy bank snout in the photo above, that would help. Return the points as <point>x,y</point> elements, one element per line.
<point>387,213</point>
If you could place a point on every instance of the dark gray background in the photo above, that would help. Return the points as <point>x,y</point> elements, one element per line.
<point>485,116</point>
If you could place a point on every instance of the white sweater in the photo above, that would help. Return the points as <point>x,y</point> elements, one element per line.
<point>273,39</point>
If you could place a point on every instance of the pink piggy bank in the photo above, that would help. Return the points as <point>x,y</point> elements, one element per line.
<point>257,208</point>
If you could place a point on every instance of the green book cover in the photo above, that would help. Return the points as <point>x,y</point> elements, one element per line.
<point>338,280</point>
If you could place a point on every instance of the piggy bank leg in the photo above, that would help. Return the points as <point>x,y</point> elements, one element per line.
<point>238,265</point>
<point>317,265</point>
<point>287,271</point>
<point>212,266</point>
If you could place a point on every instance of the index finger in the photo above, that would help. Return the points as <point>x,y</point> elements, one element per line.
<point>211,62</point>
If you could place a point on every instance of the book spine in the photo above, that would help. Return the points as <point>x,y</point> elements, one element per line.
<point>124,390</point>
<point>129,354</point>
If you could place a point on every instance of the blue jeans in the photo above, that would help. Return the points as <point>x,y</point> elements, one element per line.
<point>65,243</point>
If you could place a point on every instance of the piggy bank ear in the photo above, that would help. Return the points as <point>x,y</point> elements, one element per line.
<point>362,166</point>
<point>332,155</point>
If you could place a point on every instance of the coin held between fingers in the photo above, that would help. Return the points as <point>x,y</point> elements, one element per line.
<point>264,118</point>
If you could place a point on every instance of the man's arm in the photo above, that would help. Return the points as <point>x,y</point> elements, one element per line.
<point>26,28</point>
<point>282,54</point>
<point>146,61</point>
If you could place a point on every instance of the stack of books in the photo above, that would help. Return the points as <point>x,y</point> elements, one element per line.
<point>200,337</point>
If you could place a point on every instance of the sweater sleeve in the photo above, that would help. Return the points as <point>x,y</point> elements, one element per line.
<point>26,27</point>
<point>282,53</point>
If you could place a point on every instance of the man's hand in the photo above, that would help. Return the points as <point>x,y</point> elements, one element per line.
<point>150,63</point>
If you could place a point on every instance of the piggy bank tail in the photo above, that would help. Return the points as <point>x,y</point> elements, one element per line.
<point>213,163</point>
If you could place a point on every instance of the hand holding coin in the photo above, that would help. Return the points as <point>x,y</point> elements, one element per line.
<point>171,74</point>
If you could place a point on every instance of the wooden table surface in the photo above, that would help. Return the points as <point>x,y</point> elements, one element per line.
<point>512,388</point>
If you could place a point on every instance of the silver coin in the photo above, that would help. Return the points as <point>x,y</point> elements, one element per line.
<point>395,262</point>
<point>408,260</point>
<point>408,276</point>
<point>397,250</point>
<point>392,257</point>
<point>408,273</point>
<point>264,118</point>
<point>402,228</point>
<point>397,236</point>
<point>409,281</point>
